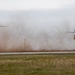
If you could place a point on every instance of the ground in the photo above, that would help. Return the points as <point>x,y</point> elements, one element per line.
<point>56,64</point>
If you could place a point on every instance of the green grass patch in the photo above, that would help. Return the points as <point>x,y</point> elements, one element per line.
<point>61,64</point>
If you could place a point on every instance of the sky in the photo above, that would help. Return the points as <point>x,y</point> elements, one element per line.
<point>57,7</point>
<point>38,12</point>
<point>34,4</point>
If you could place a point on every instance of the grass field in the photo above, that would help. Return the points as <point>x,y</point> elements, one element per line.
<point>62,64</point>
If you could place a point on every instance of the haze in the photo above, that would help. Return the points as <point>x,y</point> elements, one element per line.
<point>34,4</point>
<point>38,22</point>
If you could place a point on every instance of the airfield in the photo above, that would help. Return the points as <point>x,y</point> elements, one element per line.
<point>38,53</point>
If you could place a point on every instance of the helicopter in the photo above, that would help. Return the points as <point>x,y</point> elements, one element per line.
<point>72,33</point>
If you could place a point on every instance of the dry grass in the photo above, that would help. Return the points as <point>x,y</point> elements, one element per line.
<point>37,64</point>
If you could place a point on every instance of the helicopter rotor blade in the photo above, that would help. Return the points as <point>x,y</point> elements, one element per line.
<point>3,26</point>
<point>70,32</point>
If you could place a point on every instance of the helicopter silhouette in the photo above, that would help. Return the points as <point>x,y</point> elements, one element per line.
<point>72,33</point>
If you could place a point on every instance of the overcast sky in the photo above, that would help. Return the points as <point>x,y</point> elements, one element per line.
<point>53,9</point>
<point>34,4</point>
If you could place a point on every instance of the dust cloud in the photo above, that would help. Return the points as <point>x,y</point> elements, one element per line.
<point>28,31</point>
